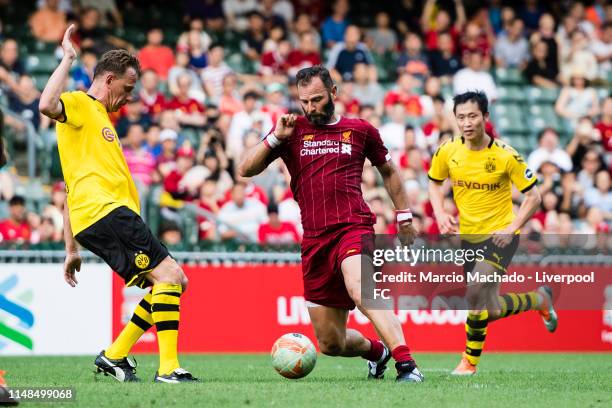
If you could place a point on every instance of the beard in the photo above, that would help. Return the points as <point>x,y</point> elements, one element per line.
<point>325,117</point>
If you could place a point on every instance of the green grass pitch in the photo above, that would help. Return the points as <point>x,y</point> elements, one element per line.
<point>508,380</point>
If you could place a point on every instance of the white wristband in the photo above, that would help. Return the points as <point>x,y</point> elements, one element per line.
<point>403,216</point>
<point>272,141</point>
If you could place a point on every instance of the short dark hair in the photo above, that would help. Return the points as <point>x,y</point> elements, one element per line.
<point>117,62</point>
<point>546,130</point>
<point>168,226</point>
<point>88,50</point>
<point>472,96</point>
<point>17,200</point>
<point>272,208</point>
<point>251,95</point>
<point>305,76</point>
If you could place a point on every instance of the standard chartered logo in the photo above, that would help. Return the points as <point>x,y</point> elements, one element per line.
<point>15,319</point>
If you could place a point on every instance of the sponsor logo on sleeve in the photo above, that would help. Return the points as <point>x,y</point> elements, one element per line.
<point>108,134</point>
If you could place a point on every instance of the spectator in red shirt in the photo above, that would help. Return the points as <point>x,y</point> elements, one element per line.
<point>347,99</point>
<point>305,55</point>
<point>15,229</point>
<point>277,232</point>
<point>174,183</point>
<point>251,190</point>
<point>275,63</point>
<point>433,26</point>
<point>189,111</point>
<point>546,213</point>
<point>475,40</point>
<point>156,56</point>
<point>209,201</point>
<point>604,126</point>
<point>404,95</point>
<point>153,100</point>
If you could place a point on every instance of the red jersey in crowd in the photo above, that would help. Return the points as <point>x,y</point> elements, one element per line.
<point>299,59</point>
<point>153,104</point>
<point>412,103</point>
<point>188,105</point>
<point>285,233</point>
<point>605,130</point>
<point>251,190</point>
<point>274,63</point>
<point>11,232</point>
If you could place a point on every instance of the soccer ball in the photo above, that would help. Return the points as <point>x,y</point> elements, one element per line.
<point>293,355</point>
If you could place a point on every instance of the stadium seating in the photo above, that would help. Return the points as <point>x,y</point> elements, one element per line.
<point>41,63</point>
<point>509,76</point>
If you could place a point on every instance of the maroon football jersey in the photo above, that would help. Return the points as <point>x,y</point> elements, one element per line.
<point>326,163</point>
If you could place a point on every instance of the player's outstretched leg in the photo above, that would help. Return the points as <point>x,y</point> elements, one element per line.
<point>114,361</point>
<point>336,340</point>
<point>168,284</point>
<point>540,300</point>
<point>385,322</point>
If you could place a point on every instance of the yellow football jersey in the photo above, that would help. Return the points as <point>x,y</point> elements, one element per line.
<point>482,182</point>
<point>96,174</point>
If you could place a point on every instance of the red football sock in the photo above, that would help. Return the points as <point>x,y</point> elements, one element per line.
<point>376,350</point>
<point>401,354</point>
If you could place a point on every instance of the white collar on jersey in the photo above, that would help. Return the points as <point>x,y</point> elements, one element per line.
<point>335,122</point>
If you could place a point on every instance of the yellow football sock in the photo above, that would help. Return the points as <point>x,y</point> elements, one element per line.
<point>515,303</point>
<point>140,322</point>
<point>165,306</point>
<point>476,331</point>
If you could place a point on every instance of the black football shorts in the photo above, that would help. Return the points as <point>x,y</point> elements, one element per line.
<point>126,244</point>
<point>499,257</point>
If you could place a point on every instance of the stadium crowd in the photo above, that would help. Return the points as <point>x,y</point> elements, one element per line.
<point>203,101</point>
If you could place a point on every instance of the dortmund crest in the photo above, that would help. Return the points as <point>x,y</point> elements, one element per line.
<point>490,166</point>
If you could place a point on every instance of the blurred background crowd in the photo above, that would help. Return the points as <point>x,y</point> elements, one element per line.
<point>218,73</point>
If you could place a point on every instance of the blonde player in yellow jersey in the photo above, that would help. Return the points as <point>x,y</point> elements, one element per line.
<point>102,209</point>
<point>482,171</point>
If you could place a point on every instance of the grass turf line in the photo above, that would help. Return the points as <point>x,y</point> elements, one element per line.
<point>581,380</point>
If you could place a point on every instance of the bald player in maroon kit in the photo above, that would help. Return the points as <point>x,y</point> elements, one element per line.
<point>325,154</point>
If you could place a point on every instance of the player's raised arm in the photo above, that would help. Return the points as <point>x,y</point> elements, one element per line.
<point>256,159</point>
<point>50,104</point>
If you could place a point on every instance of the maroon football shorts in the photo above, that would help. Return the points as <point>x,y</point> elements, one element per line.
<point>321,260</point>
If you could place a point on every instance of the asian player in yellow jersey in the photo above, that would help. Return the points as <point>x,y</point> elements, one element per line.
<point>482,171</point>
